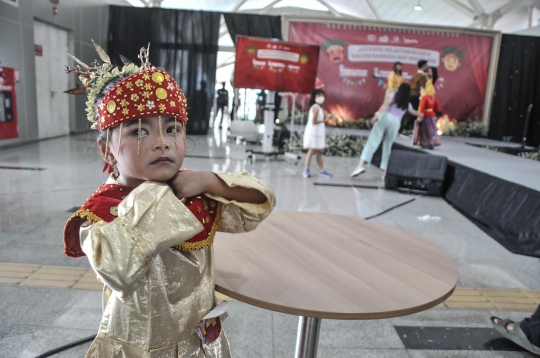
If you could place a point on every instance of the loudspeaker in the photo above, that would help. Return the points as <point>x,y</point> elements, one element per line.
<point>414,172</point>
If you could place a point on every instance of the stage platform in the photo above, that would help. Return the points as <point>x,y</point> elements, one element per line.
<point>514,169</point>
<point>499,192</point>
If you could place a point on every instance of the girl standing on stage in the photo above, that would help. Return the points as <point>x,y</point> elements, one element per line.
<point>425,129</point>
<point>148,230</point>
<point>395,79</point>
<point>314,134</point>
<point>386,122</point>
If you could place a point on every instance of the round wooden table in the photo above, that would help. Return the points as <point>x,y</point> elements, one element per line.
<point>317,265</point>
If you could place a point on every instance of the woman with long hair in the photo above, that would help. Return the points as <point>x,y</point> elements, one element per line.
<point>314,134</point>
<point>386,122</point>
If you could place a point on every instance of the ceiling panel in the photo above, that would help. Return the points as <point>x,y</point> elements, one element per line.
<point>435,12</point>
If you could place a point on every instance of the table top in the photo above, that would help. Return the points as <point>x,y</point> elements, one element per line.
<point>331,266</point>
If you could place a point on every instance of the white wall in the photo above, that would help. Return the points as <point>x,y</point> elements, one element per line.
<point>83,19</point>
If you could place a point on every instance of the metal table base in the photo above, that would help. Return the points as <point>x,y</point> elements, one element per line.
<point>307,337</point>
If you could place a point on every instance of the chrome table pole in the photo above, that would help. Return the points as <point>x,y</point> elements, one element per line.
<point>307,337</point>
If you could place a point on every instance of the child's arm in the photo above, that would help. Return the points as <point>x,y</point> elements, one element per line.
<point>246,200</point>
<point>119,251</point>
<point>187,184</point>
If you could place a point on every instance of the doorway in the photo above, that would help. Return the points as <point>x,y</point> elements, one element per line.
<point>51,80</point>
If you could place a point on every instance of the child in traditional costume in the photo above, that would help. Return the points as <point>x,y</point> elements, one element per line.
<point>425,130</point>
<point>148,230</point>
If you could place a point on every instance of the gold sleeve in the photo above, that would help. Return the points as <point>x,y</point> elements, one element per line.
<point>239,217</point>
<point>150,220</point>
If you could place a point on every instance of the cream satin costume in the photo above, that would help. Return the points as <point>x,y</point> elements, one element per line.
<point>155,295</point>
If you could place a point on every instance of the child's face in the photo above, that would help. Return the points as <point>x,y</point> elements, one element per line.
<point>335,53</point>
<point>451,62</point>
<point>153,163</point>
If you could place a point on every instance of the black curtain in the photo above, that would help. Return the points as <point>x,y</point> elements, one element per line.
<point>517,85</point>
<point>253,25</point>
<point>183,42</point>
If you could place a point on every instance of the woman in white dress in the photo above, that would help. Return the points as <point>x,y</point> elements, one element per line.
<point>314,134</point>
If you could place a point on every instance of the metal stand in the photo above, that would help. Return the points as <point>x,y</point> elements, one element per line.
<point>307,337</point>
<point>526,127</point>
<point>268,123</point>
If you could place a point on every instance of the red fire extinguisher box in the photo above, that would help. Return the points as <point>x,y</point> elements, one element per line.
<point>8,106</point>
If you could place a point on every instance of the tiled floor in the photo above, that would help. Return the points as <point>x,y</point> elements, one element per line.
<point>47,299</point>
<point>84,279</point>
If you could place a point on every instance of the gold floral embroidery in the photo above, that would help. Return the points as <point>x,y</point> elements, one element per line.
<point>198,245</point>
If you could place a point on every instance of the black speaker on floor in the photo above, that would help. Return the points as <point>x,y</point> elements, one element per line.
<point>413,172</point>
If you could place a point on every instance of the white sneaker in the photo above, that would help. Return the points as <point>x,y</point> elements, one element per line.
<point>358,171</point>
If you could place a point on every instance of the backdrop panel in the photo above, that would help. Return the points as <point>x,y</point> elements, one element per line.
<point>275,65</point>
<point>356,60</point>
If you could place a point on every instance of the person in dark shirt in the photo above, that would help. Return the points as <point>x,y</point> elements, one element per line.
<point>222,102</point>
<point>417,81</point>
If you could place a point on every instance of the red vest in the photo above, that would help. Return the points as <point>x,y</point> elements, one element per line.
<point>103,206</point>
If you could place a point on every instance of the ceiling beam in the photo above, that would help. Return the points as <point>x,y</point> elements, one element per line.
<point>154,3</point>
<point>477,7</point>
<point>227,62</point>
<point>238,5</point>
<point>227,48</point>
<point>269,6</point>
<point>223,33</point>
<point>459,6</point>
<point>374,9</point>
<point>489,20</point>
<point>330,8</point>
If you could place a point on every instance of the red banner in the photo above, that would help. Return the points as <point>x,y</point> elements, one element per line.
<point>8,107</point>
<point>275,65</point>
<point>356,61</point>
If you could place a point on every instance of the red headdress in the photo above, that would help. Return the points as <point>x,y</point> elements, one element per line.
<point>140,92</point>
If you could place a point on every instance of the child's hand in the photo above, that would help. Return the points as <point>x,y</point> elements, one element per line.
<point>190,183</point>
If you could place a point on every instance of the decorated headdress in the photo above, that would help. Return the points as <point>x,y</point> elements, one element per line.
<point>333,42</point>
<point>451,50</point>
<point>118,95</point>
